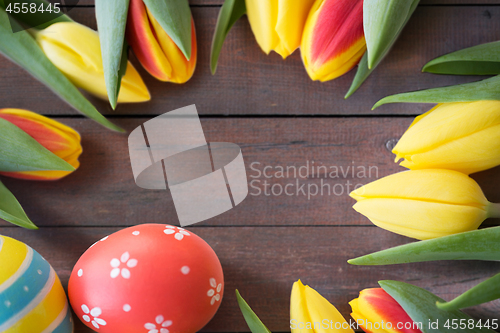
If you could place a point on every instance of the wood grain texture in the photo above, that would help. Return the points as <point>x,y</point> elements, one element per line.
<point>249,82</point>
<point>263,263</point>
<point>103,193</point>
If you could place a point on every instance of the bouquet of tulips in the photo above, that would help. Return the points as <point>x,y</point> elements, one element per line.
<point>436,201</point>
<point>333,35</point>
<point>396,307</point>
<point>67,56</point>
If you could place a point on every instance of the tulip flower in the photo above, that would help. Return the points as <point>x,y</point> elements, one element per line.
<point>333,41</point>
<point>60,139</point>
<point>156,51</point>
<point>425,204</point>
<point>458,136</point>
<point>308,307</point>
<point>377,312</point>
<point>278,25</point>
<point>75,50</point>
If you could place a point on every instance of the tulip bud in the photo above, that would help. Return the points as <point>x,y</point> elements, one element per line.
<point>333,41</point>
<point>311,312</point>
<point>60,139</point>
<point>376,311</point>
<point>156,51</point>
<point>277,25</point>
<point>75,50</point>
<point>424,204</point>
<point>458,136</point>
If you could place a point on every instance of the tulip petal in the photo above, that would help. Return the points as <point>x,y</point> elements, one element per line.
<point>230,12</point>
<point>421,219</point>
<point>453,136</point>
<point>431,185</point>
<point>11,211</point>
<point>174,16</point>
<point>81,61</point>
<point>420,305</point>
<point>156,51</point>
<point>111,20</point>
<point>307,306</point>
<point>21,49</point>
<point>20,152</point>
<point>483,59</point>
<point>472,245</point>
<point>253,322</point>
<point>485,90</point>
<point>484,292</point>
<point>375,306</point>
<point>60,139</point>
<point>333,40</point>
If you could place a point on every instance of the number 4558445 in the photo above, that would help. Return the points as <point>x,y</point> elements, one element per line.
<point>456,324</point>
<point>32,8</point>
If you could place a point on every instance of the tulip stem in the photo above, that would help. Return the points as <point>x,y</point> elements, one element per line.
<point>494,210</point>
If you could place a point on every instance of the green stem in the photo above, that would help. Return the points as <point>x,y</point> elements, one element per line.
<point>494,210</point>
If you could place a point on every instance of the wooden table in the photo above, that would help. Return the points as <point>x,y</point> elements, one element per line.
<point>280,118</point>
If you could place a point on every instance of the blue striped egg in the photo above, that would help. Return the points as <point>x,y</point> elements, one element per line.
<point>32,299</point>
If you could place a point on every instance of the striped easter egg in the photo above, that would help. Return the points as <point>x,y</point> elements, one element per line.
<point>32,299</point>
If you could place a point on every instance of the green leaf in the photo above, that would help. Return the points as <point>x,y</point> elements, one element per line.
<point>484,292</point>
<point>253,322</point>
<point>20,152</point>
<point>11,211</point>
<point>111,22</point>
<point>383,21</point>
<point>482,59</point>
<point>488,89</point>
<point>23,50</point>
<point>379,46</point>
<point>420,305</point>
<point>40,20</point>
<point>174,16</point>
<point>472,245</point>
<point>229,13</point>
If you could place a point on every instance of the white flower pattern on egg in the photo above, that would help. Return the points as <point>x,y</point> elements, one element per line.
<point>124,259</point>
<point>214,292</point>
<point>178,234</point>
<point>94,316</point>
<point>160,326</point>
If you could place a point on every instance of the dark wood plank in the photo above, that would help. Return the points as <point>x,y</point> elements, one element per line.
<point>263,263</point>
<point>249,82</point>
<point>103,193</point>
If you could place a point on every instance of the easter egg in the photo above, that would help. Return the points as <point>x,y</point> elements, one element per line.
<point>151,278</point>
<point>32,298</point>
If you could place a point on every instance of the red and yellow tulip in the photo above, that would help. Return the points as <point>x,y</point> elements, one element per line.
<point>156,51</point>
<point>60,139</point>
<point>277,25</point>
<point>333,41</point>
<point>377,312</point>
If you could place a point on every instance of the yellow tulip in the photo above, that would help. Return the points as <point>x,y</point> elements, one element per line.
<point>277,25</point>
<point>75,50</point>
<point>310,312</point>
<point>425,204</point>
<point>458,136</point>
